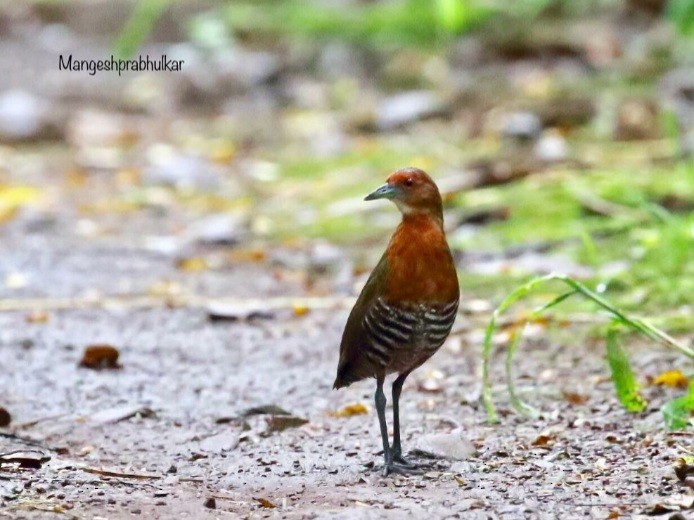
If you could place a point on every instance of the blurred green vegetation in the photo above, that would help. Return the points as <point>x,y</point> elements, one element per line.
<point>410,22</point>
<point>640,251</point>
<point>643,247</point>
<point>681,12</point>
<point>421,23</point>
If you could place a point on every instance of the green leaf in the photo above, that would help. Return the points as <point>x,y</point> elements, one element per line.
<point>453,15</point>
<point>681,12</point>
<point>678,412</point>
<point>622,375</point>
<point>145,14</point>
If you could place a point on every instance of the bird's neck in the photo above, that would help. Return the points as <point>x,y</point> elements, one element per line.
<point>422,220</point>
<point>420,264</point>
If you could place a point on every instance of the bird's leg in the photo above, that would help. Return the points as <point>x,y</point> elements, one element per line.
<point>396,450</point>
<point>380,399</point>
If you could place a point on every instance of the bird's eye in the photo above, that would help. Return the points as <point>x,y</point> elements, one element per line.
<point>409,182</point>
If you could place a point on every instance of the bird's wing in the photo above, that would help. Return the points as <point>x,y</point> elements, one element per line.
<point>355,335</point>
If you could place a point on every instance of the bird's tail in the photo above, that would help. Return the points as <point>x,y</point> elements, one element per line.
<point>344,377</point>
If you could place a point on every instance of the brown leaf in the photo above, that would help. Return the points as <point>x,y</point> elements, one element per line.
<point>574,398</point>
<point>543,440</point>
<point>278,423</point>
<point>247,255</point>
<point>684,467</point>
<point>37,317</point>
<point>5,418</point>
<point>350,410</point>
<point>265,409</point>
<point>264,502</point>
<point>99,357</point>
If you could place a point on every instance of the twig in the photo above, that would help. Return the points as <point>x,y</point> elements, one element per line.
<point>147,302</point>
<point>25,440</point>
<point>116,474</point>
<point>34,422</point>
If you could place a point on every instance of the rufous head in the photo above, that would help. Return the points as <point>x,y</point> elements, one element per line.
<point>412,191</point>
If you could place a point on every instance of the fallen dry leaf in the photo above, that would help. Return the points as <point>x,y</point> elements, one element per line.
<point>300,310</point>
<point>5,418</point>
<point>574,398</point>
<point>192,265</point>
<point>350,410</point>
<point>543,440</point>
<point>670,504</point>
<point>14,197</point>
<point>684,467</point>
<point>99,357</point>
<point>37,317</point>
<point>265,409</point>
<point>247,255</point>
<point>278,423</point>
<point>24,459</point>
<point>264,502</point>
<point>671,378</point>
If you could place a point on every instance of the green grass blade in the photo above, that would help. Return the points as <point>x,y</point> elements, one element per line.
<point>619,363</point>
<point>622,375</point>
<point>554,302</point>
<point>517,403</point>
<point>516,295</point>
<point>679,412</point>
<point>145,14</point>
<point>487,400</point>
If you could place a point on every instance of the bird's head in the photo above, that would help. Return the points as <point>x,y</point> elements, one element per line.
<point>412,191</point>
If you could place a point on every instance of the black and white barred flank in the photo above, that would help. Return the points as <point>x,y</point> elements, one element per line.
<point>417,327</point>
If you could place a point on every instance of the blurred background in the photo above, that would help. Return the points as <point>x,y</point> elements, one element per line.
<point>560,132</point>
<point>179,251</point>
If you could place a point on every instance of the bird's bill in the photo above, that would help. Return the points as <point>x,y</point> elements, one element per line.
<point>384,192</point>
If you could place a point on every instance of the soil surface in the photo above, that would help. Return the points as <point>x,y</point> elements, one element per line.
<point>174,426</point>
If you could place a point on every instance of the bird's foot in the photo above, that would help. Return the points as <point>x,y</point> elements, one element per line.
<point>398,458</point>
<point>394,468</point>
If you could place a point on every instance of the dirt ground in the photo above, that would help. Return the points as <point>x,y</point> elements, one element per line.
<point>171,429</point>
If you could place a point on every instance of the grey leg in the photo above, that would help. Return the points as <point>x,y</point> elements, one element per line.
<point>380,399</point>
<point>396,451</point>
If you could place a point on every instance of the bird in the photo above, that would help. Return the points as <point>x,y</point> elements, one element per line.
<point>408,305</point>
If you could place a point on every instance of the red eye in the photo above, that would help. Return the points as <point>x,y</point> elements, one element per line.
<point>409,182</point>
